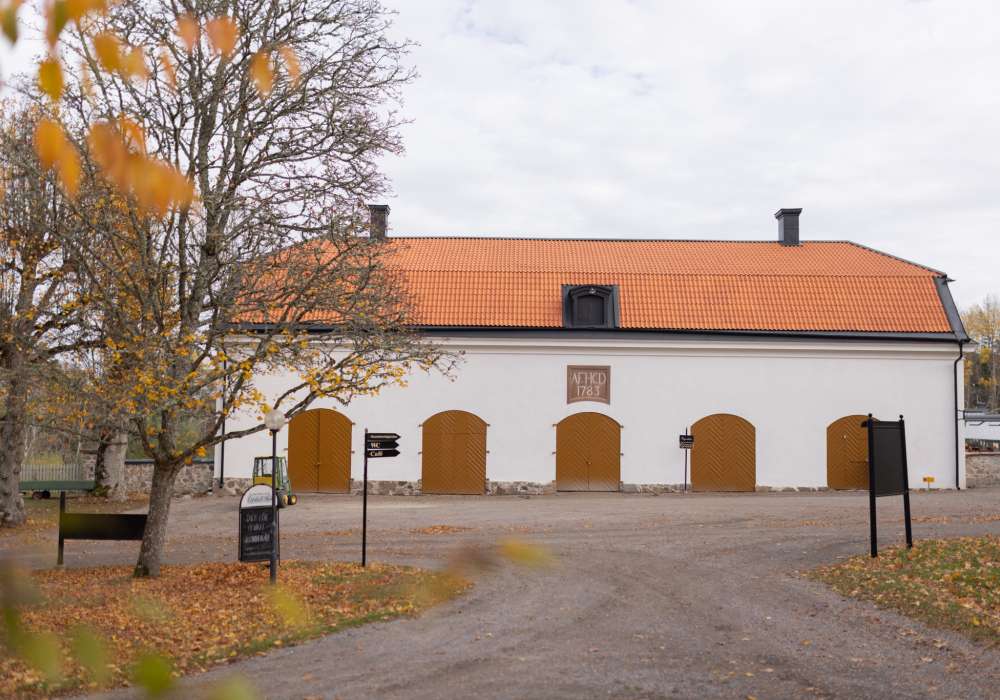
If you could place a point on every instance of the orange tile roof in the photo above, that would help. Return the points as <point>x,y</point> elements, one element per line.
<point>669,285</point>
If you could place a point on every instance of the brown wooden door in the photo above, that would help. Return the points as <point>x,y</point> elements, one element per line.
<point>319,452</point>
<point>588,453</point>
<point>453,458</point>
<point>847,453</point>
<point>723,457</point>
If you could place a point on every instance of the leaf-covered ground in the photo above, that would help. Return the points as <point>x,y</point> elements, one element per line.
<point>89,628</point>
<point>953,583</point>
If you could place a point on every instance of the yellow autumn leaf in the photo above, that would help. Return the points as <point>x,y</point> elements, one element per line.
<point>50,78</point>
<point>168,68</point>
<point>291,63</point>
<point>108,49</point>
<point>55,21</point>
<point>55,151</point>
<point>8,20</point>
<point>222,33</point>
<point>262,73</point>
<point>49,141</point>
<point>134,64</point>
<point>132,134</point>
<point>188,31</point>
<point>76,9</point>
<point>68,169</point>
<point>109,152</point>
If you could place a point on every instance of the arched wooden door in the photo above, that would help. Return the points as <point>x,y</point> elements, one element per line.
<point>319,451</point>
<point>847,453</point>
<point>724,454</point>
<point>454,454</point>
<point>588,453</point>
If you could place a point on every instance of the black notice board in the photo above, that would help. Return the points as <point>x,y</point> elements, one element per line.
<point>255,533</point>
<point>888,458</point>
<point>887,472</point>
<point>101,526</point>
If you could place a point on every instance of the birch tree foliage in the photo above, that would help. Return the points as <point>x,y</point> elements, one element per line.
<point>238,142</point>
<point>40,301</point>
<point>982,368</point>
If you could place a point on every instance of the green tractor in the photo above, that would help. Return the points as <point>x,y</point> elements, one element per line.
<point>262,475</point>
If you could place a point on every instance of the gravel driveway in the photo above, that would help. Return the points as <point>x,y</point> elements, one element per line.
<point>689,596</point>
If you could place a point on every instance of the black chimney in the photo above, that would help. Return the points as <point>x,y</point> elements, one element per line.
<point>788,226</point>
<point>379,220</point>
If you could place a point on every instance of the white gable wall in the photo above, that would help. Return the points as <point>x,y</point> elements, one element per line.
<point>789,389</point>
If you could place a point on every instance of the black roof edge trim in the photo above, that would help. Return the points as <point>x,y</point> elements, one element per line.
<point>598,332</point>
<point>950,310</point>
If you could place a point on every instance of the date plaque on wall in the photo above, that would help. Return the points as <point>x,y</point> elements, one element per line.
<point>588,383</point>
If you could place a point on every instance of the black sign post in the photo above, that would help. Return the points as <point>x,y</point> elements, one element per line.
<point>887,471</point>
<point>376,445</point>
<point>686,444</point>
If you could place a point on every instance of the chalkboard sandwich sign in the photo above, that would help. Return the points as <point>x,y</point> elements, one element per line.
<point>256,518</point>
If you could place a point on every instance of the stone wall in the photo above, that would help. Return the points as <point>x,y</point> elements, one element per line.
<point>493,488</point>
<point>982,469</point>
<point>231,486</point>
<point>194,479</point>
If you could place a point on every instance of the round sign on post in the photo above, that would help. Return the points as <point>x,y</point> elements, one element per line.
<point>257,496</point>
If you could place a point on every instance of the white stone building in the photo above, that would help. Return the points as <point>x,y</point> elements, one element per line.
<point>584,360</point>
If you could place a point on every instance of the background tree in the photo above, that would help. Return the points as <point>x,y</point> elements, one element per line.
<point>241,160</point>
<point>982,369</point>
<point>39,302</point>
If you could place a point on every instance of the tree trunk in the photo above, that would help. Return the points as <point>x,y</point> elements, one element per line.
<point>13,434</point>
<point>155,535</point>
<point>109,470</point>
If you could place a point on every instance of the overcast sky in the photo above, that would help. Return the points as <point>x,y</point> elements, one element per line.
<point>700,119</point>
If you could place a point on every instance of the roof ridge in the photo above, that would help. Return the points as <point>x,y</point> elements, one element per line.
<point>896,257</point>
<point>562,239</point>
<point>669,274</point>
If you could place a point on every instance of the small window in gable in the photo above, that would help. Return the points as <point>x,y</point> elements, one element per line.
<point>590,306</point>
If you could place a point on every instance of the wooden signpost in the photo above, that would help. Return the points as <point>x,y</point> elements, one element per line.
<point>887,475</point>
<point>377,445</point>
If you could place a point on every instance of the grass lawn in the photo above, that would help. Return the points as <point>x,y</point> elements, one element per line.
<point>952,583</point>
<point>81,629</point>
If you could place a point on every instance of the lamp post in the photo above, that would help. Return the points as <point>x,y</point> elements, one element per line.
<point>274,420</point>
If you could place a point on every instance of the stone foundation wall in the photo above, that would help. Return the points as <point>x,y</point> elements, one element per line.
<point>982,469</point>
<point>234,487</point>
<point>193,479</point>
<point>231,486</point>
<point>386,488</point>
<point>493,488</point>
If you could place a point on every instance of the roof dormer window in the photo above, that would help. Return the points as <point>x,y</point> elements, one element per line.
<point>590,306</point>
